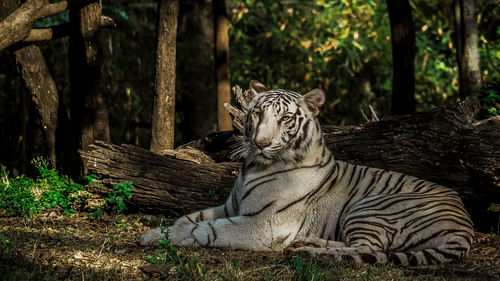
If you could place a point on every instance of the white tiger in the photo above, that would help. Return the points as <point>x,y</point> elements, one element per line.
<point>293,195</point>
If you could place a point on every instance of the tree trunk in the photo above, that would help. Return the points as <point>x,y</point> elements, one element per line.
<point>89,114</point>
<point>222,64</point>
<point>37,77</point>
<point>195,72</point>
<point>466,42</point>
<point>42,87</point>
<point>442,145</point>
<point>163,119</point>
<point>403,57</point>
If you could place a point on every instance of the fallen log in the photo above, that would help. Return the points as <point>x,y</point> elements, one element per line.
<point>443,145</point>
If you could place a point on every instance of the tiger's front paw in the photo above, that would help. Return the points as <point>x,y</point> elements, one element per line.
<point>307,242</point>
<point>152,237</point>
<point>302,244</point>
<point>182,221</point>
<point>179,235</point>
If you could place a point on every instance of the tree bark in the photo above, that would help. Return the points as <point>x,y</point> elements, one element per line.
<point>466,42</point>
<point>163,119</point>
<point>39,81</point>
<point>442,145</point>
<point>403,57</point>
<point>89,115</point>
<point>195,72</point>
<point>59,31</point>
<point>222,64</point>
<point>17,26</point>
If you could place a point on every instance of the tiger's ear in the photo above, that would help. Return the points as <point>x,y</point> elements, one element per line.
<point>314,100</point>
<point>257,87</point>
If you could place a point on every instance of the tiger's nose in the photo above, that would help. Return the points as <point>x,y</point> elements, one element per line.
<point>263,143</point>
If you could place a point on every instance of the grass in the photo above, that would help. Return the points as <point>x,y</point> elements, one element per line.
<point>51,229</point>
<point>61,247</point>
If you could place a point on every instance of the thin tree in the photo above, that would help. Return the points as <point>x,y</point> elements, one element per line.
<point>403,57</point>
<point>163,119</point>
<point>222,64</point>
<point>466,41</point>
<point>42,87</point>
<point>89,114</point>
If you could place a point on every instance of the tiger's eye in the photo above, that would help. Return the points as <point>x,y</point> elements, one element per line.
<point>285,118</point>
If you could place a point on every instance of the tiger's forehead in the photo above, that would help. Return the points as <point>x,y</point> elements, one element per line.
<point>279,101</point>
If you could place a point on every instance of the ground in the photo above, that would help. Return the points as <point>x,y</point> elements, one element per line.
<point>59,247</point>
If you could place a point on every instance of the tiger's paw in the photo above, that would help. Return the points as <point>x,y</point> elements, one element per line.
<point>152,237</point>
<point>312,242</point>
<point>182,221</point>
<point>305,251</point>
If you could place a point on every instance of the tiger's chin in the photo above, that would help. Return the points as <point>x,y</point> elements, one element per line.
<point>264,158</point>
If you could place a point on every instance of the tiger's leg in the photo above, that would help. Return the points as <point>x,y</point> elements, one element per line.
<point>155,235</point>
<point>314,242</point>
<point>202,215</point>
<point>222,211</point>
<point>258,233</point>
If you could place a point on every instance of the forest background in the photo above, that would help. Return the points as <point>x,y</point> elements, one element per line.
<point>343,47</point>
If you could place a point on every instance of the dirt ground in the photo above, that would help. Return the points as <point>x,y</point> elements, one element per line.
<point>58,247</point>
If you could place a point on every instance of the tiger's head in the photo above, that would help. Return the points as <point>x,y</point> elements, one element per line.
<point>281,125</point>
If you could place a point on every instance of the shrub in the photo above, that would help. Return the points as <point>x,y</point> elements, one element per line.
<point>25,196</point>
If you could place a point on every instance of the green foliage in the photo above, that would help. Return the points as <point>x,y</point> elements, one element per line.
<point>168,254</point>
<point>345,48</point>
<point>116,198</point>
<point>115,201</point>
<point>59,191</point>
<point>337,45</point>
<point>97,213</point>
<point>187,268</point>
<point>490,102</point>
<point>368,275</point>
<point>7,247</point>
<point>25,196</point>
<point>17,195</point>
<point>308,271</point>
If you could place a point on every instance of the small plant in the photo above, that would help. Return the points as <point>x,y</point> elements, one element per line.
<point>96,214</point>
<point>7,247</point>
<point>187,268</point>
<point>116,197</point>
<point>368,275</point>
<point>169,252</point>
<point>114,202</point>
<point>307,271</point>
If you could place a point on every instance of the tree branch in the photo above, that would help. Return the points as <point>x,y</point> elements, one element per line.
<point>59,31</point>
<point>51,9</point>
<point>16,27</point>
